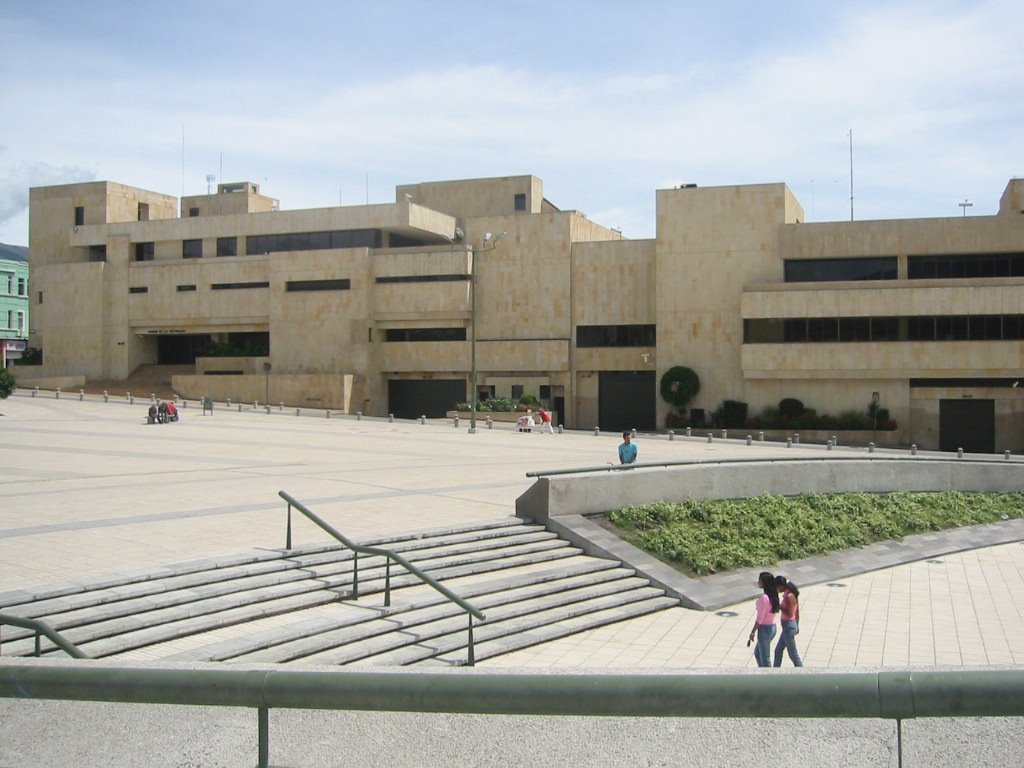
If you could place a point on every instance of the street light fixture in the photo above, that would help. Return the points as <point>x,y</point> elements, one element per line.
<point>266,382</point>
<point>874,416</point>
<point>492,243</point>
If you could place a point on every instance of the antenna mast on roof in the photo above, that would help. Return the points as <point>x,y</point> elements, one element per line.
<point>851,174</point>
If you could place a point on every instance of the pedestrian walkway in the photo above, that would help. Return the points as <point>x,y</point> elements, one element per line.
<point>87,491</point>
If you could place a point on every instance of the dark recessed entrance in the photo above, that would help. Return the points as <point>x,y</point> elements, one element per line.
<point>412,398</point>
<point>626,400</point>
<point>967,424</point>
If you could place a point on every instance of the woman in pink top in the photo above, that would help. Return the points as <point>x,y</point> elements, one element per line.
<point>767,608</point>
<point>790,611</point>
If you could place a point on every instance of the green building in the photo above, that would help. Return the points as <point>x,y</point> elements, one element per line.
<point>13,302</point>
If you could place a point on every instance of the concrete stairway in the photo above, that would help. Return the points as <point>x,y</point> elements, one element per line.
<point>280,606</point>
<point>144,381</point>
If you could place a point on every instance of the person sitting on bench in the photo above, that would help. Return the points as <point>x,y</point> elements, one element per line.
<point>161,411</point>
<point>152,414</point>
<point>172,411</point>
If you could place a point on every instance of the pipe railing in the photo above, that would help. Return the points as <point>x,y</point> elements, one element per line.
<point>889,695</point>
<point>358,549</point>
<point>42,629</point>
<point>758,460</point>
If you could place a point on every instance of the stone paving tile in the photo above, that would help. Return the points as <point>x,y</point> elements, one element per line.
<point>89,494</point>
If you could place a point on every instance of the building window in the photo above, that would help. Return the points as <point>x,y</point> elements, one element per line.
<point>957,266</point>
<point>313,241</point>
<point>143,211</point>
<point>517,391</point>
<point>840,269</point>
<point>396,240</point>
<point>79,215</point>
<point>318,285</point>
<point>227,246</point>
<point>238,286</point>
<point>138,289</point>
<point>193,212</point>
<point>186,288</point>
<point>144,251</point>
<point>191,249</point>
<point>97,253</point>
<point>21,322</point>
<point>39,297</point>
<point>616,336</point>
<point>422,278</point>
<point>425,334</point>
<point>10,319</point>
<point>854,329</point>
<point>22,287</point>
<point>520,201</point>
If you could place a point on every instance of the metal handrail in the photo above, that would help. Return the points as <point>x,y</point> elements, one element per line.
<point>358,549</point>
<point>891,695</point>
<point>41,628</point>
<point>759,460</point>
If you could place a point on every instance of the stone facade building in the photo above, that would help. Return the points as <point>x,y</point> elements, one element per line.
<point>371,308</point>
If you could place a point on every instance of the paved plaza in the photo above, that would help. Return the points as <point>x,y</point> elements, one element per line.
<point>88,490</point>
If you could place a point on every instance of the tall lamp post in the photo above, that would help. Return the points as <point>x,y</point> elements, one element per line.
<point>874,416</point>
<point>490,243</point>
<point>266,382</point>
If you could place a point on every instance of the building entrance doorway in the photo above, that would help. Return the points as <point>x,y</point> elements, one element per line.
<point>626,400</point>
<point>182,349</point>
<point>967,424</point>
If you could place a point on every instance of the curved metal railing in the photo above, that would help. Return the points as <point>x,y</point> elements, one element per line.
<point>42,629</point>
<point>358,549</point>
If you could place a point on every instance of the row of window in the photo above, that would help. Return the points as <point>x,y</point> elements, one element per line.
<point>21,284</point>
<point>291,285</point>
<point>290,241</point>
<point>912,328</point>
<point>616,335</point>
<point>422,278</point>
<point>15,321</point>
<point>945,266</point>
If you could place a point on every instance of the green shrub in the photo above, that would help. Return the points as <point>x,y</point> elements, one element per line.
<point>790,408</point>
<point>731,413</point>
<point>7,383</point>
<point>711,536</point>
<point>529,400</point>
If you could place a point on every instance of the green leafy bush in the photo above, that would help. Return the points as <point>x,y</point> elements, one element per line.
<point>731,413</point>
<point>790,408</point>
<point>7,383</point>
<point>529,400</point>
<point>713,536</point>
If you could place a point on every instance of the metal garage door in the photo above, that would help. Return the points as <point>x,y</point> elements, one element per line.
<point>412,398</point>
<point>967,424</point>
<point>626,400</point>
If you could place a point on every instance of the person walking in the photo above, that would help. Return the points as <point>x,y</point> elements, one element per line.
<point>789,610</point>
<point>627,451</point>
<point>545,420</point>
<point>766,610</point>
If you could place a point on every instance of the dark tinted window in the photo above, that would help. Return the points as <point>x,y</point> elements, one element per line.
<point>846,269</point>
<point>634,335</point>
<point>318,285</point>
<point>425,334</point>
<point>144,251</point>
<point>965,265</point>
<point>227,246</point>
<point>422,278</point>
<point>191,249</point>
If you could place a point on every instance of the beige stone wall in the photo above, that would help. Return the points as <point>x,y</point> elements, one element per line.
<point>295,391</point>
<point>710,242</point>
<point>475,197</point>
<point>718,258</point>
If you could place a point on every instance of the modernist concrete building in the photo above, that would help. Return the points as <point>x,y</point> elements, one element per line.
<point>371,308</point>
<point>14,311</point>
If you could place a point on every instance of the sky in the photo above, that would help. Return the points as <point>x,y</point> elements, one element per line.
<point>336,103</point>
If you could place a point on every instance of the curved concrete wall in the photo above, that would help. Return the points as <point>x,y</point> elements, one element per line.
<point>583,494</point>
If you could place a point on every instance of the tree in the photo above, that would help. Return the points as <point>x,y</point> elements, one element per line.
<point>679,385</point>
<point>6,383</point>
